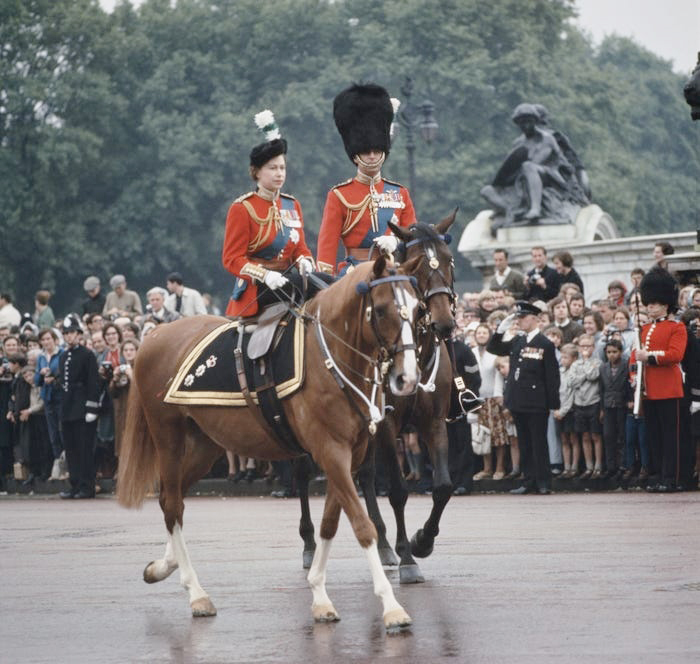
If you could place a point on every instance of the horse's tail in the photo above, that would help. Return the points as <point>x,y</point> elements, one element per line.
<point>138,469</point>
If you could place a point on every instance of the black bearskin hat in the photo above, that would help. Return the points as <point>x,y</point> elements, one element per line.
<point>363,115</point>
<point>262,153</point>
<point>660,287</point>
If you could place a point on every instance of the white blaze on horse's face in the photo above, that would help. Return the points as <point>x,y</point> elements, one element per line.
<point>403,380</point>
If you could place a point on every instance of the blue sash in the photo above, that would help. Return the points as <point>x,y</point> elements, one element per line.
<point>384,215</point>
<point>271,250</point>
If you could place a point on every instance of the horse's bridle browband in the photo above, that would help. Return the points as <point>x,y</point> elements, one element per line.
<point>431,254</point>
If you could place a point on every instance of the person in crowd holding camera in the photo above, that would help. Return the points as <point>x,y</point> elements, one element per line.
<point>156,309</point>
<point>585,375</point>
<point>663,347</point>
<point>119,389</point>
<point>541,282</point>
<point>121,301</point>
<point>46,377</point>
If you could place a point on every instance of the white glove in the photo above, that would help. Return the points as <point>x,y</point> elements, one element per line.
<point>387,243</point>
<point>694,407</point>
<point>472,418</point>
<point>505,324</point>
<point>274,280</point>
<point>305,266</point>
<point>90,417</point>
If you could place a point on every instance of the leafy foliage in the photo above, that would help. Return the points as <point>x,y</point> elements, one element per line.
<point>125,136</point>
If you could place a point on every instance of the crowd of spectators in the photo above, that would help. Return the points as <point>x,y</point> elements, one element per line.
<point>114,324</point>
<point>593,434</point>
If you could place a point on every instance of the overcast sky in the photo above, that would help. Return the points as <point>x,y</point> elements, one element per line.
<point>669,28</point>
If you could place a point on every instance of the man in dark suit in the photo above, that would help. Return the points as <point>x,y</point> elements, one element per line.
<point>532,391</point>
<point>542,281</point>
<point>78,379</point>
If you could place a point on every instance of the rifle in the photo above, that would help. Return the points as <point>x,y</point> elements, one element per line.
<point>640,366</point>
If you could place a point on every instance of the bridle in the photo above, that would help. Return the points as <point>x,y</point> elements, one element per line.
<point>387,350</point>
<point>444,282</point>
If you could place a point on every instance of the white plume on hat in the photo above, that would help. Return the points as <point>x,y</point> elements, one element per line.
<point>395,104</point>
<point>265,121</point>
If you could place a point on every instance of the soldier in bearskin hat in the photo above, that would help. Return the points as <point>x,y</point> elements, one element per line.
<point>265,230</point>
<point>663,343</point>
<point>78,379</point>
<point>358,211</point>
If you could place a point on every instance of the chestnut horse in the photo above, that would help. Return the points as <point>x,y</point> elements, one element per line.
<point>358,332</point>
<point>426,251</point>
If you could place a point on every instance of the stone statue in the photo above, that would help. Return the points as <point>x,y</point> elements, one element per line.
<point>541,180</point>
<point>691,90</point>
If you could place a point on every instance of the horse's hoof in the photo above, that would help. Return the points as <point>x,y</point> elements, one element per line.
<point>396,619</point>
<point>421,549</point>
<point>388,557</point>
<point>307,559</point>
<point>202,608</point>
<point>410,574</point>
<point>324,613</point>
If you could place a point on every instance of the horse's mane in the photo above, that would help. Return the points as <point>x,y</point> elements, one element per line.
<point>422,231</point>
<point>343,290</point>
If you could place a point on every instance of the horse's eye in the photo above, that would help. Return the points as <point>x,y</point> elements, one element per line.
<point>380,312</point>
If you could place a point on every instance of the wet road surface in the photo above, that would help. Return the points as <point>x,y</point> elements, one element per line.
<point>568,578</point>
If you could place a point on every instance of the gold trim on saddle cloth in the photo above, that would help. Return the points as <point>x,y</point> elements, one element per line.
<point>188,398</point>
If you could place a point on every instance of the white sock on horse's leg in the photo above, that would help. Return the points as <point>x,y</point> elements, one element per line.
<point>188,577</point>
<point>394,614</point>
<point>162,568</point>
<point>322,608</point>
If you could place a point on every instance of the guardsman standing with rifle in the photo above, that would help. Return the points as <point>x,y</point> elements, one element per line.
<point>663,343</point>
<point>532,391</point>
<point>358,211</point>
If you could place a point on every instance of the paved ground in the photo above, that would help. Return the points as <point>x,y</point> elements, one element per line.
<point>609,577</point>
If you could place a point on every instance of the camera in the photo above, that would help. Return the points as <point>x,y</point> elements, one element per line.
<point>693,327</point>
<point>532,280</point>
<point>123,368</point>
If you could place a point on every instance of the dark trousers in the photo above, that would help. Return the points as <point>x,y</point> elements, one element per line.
<point>534,452</point>
<point>79,441</point>
<point>663,436</point>
<point>614,436</point>
<point>460,455</point>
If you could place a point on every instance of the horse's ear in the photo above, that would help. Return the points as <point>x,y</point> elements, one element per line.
<point>400,233</point>
<point>379,266</point>
<point>444,225</point>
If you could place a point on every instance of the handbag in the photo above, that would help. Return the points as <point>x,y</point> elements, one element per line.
<point>481,439</point>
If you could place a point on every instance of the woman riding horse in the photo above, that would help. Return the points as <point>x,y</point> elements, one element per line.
<point>265,231</point>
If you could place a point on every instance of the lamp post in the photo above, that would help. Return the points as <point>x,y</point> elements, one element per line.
<point>415,116</point>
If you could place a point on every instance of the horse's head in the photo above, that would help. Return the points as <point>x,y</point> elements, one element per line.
<point>433,269</point>
<point>390,307</point>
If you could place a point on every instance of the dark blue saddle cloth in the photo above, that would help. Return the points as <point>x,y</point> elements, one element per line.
<point>208,377</point>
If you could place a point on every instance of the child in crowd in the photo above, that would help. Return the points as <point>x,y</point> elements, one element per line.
<point>571,450</point>
<point>614,396</point>
<point>502,365</point>
<point>585,374</point>
<point>556,335</point>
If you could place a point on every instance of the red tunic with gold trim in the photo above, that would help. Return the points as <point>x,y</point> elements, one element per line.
<point>261,234</point>
<point>665,341</point>
<point>356,212</point>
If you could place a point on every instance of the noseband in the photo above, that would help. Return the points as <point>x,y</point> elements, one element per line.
<point>388,350</point>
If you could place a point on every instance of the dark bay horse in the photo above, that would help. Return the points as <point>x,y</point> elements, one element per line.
<point>362,325</point>
<point>431,263</point>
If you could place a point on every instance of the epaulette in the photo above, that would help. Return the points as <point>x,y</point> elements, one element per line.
<point>287,196</point>
<point>396,184</point>
<point>242,198</point>
<point>342,184</point>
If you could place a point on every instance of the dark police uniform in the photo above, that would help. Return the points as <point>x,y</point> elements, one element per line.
<point>532,390</point>
<point>78,379</point>
<point>459,435</point>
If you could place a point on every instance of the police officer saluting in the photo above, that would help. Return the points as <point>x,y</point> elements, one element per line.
<point>532,391</point>
<point>78,379</point>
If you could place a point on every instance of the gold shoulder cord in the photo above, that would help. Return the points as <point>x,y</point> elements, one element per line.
<point>367,201</point>
<point>273,216</point>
